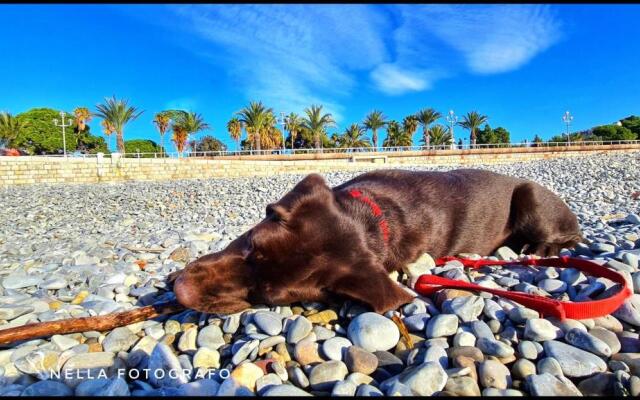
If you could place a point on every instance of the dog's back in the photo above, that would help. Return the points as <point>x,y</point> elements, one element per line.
<point>470,210</point>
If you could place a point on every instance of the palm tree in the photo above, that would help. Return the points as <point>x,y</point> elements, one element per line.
<point>410,125</point>
<point>10,128</point>
<point>472,122</point>
<point>425,118</point>
<point>293,124</point>
<point>353,137</point>
<point>255,118</point>
<point>108,129</point>
<point>186,123</point>
<point>440,135</point>
<point>162,120</point>
<point>234,127</point>
<point>317,122</point>
<point>374,121</point>
<point>82,116</point>
<point>118,113</point>
<point>396,136</point>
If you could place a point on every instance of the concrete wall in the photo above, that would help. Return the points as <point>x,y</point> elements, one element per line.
<point>30,170</point>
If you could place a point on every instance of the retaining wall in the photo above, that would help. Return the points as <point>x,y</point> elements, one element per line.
<point>31,170</point>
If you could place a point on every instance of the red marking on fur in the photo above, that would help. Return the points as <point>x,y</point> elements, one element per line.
<point>375,210</point>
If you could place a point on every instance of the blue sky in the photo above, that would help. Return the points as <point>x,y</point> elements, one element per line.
<point>522,65</point>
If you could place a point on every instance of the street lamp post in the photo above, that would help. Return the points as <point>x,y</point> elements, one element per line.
<point>282,124</point>
<point>63,125</point>
<point>452,119</point>
<point>567,118</point>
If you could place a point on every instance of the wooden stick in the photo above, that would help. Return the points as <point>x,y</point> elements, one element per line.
<point>85,324</point>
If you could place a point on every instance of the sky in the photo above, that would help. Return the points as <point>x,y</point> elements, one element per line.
<point>521,65</point>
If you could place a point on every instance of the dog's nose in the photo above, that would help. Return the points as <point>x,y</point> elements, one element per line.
<point>186,293</point>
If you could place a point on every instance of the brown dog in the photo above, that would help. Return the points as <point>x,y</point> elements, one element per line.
<point>319,244</point>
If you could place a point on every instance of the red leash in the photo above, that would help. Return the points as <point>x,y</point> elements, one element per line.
<point>428,284</point>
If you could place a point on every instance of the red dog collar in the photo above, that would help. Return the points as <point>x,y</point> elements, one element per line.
<point>375,210</point>
<point>429,284</point>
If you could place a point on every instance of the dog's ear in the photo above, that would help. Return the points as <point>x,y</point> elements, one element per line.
<point>311,183</point>
<point>370,284</point>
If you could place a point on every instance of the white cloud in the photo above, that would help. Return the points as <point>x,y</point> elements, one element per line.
<point>491,39</point>
<point>292,56</point>
<point>393,80</point>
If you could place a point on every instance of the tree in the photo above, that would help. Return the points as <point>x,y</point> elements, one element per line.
<point>40,136</point>
<point>353,137</point>
<point>10,128</point>
<point>118,113</point>
<point>107,129</point>
<point>254,118</point>
<point>472,122</point>
<point>613,132</point>
<point>209,143</point>
<point>536,140</point>
<point>396,136</point>
<point>317,123</point>
<point>162,120</point>
<point>374,121</point>
<point>502,135</point>
<point>425,118</point>
<point>632,123</point>
<point>440,135</point>
<point>486,135</point>
<point>410,125</point>
<point>186,123</point>
<point>293,125</point>
<point>82,116</point>
<point>149,147</point>
<point>234,127</point>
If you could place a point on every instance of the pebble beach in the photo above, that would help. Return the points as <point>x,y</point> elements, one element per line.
<point>69,251</point>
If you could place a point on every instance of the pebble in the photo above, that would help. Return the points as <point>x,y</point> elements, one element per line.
<point>575,363</point>
<point>462,386</point>
<point>268,322</point>
<point>494,374</point>
<point>206,358</point>
<point>539,330</point>
<point>358,359</point>
<point>163,359</point>
<point>467,308</point>
<point>416,322</point>
<point>334,348</point>
<point>119,339</point>
<point>546,384</point>
<point>19,281</point>
<point>423,380</point>
<point>494,348</point>
<point>306,352</point>
<point>47,388</point>
<point>344,388</point>
<point>299,329</point>
<point>103,387</point>
<point>441,326</point>
<point>373,332</point>
<point>284,391</point>
<point>211,337</point>
<point>588,342</point>
<point>247,375</point>
<point>323,376</point>
<point>200,387</point>
<point>549,365</point>
<point>368,391</point>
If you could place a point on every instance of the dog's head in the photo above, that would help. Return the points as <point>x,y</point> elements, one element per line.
<point>303,250</point>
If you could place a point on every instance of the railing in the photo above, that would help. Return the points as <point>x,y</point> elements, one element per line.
<point>356,150</point>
